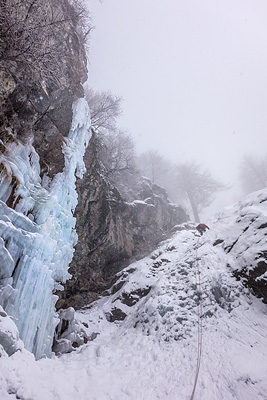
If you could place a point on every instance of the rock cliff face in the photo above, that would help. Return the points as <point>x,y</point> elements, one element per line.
<point>36,106</point>
<point>113,232</point>
<point>44,129</point>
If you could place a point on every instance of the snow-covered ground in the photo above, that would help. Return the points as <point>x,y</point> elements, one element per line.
<point>172,312</point>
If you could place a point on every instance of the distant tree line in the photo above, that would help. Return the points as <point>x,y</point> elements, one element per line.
<point>253,173</point>
<point>186,182</point>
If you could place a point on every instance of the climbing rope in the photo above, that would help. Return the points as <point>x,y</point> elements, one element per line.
<point>199,333</point>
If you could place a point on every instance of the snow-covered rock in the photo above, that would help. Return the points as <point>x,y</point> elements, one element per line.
<point>69,332</point>
<point>241,230</point>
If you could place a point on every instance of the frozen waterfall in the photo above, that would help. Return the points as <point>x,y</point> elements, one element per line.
<point>37,238</point>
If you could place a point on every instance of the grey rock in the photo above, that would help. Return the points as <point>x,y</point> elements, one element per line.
<point>113,232</point>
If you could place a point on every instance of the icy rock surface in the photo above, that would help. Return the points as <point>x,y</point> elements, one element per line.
<point>38,236</point>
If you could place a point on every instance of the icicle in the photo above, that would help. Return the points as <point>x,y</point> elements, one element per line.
<point>38,248</point>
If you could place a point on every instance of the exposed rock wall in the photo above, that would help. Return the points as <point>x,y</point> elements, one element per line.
<point>35,136</point>
<point>243,238</point>
<point>44,123</point>
<point>113,232</point>
<point>36,106</point>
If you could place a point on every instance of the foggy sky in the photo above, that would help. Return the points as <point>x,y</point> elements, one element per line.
<point>192,75</point>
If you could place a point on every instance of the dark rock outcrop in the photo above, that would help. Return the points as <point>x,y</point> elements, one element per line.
<point>254,279</point>
<point>244,240</point>
<point>113,232</point>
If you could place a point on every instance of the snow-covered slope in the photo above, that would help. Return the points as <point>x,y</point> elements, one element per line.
<point>171,318</point>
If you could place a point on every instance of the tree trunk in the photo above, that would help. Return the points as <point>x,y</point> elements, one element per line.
<point>194,207</point>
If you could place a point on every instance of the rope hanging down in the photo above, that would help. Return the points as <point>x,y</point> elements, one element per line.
<point>199,333</point>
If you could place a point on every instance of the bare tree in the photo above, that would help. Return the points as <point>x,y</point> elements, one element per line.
<point>154,166</point>
<point>116,148</point>
<point>105,108</point>
<point>29,33</point>
<point>118,154</point>
<point>197,186</point>
<point>253,173</point>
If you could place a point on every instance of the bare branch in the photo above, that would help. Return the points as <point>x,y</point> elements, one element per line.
<point>197,185</point>
<point>29,33</point>
<point>253,173</point>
